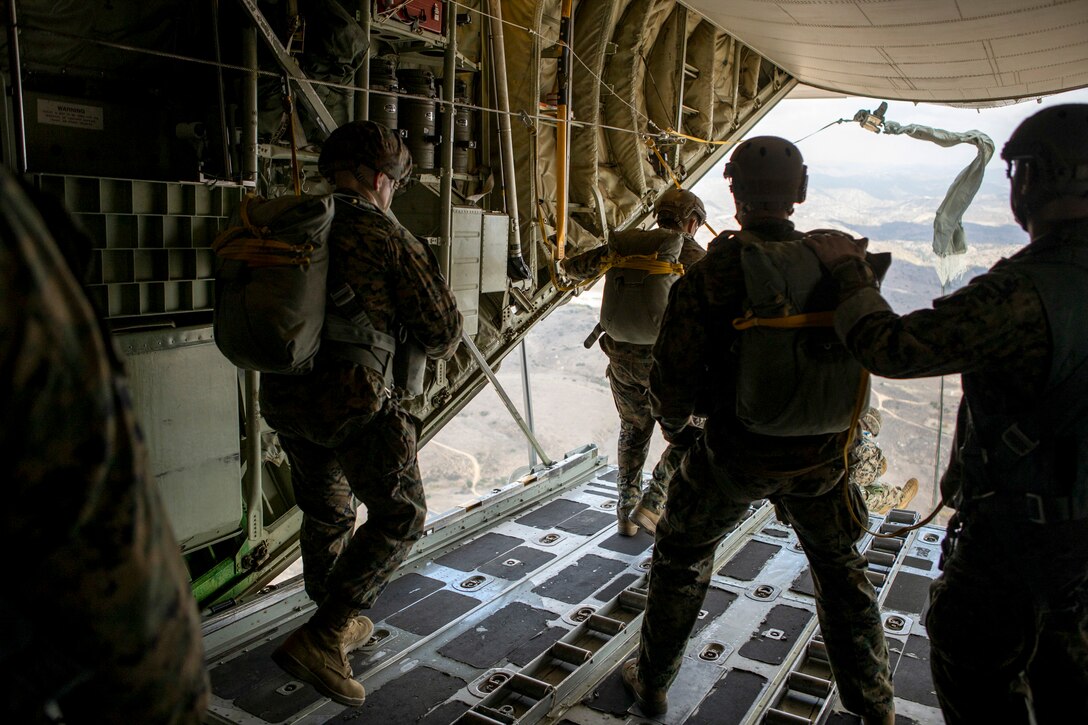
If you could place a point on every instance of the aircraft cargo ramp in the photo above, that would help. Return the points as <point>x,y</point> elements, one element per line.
<point>521,607</point>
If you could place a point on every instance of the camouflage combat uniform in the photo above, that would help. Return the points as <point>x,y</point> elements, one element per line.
<point>628,375</point>
<point>1010,611</point>
<point>731,467</point>
<point>342,431</point>
<point>868,464</point>
<point>98,615</point>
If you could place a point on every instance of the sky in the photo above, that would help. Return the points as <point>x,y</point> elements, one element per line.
<point>848,149</point>
<point>879,164</point>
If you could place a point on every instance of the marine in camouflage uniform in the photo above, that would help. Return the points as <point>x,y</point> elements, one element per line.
<point>98,614</point>
<point>344,432</point>
<point>730,467</point>
<point>1008,617</point>
<point>868,464</point>
<point>628,373</point>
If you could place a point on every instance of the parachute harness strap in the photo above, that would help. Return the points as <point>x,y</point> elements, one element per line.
<point>645,262</point>
<point>808,319</point>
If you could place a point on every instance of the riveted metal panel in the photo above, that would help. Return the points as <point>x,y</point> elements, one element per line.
<point>185,395</point>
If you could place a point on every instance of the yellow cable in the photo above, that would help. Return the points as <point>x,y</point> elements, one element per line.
<point>653,147</point>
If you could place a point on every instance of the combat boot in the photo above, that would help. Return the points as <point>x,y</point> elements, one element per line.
<point>624,525</point>
<point>910,490</point>
<point>646,517</point>
<point>315,655</point>
<point>652,702</point>
<point>356,633</point>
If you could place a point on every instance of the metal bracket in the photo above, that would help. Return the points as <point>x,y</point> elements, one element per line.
<point>290,65</point>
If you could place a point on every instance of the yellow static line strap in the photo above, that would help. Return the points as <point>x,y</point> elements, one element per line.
<point>652,145</point>
<point>809,319</point>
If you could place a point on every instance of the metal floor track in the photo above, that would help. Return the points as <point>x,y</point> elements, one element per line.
<point>519,609</point>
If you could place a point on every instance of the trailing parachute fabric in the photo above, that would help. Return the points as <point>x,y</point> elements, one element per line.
<point>270,283</point>
<point>948,235</point>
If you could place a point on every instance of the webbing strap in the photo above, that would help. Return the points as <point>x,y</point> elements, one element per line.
<point>645,262</point>
<point>258,252</point>
<point>255,248</point>
<point>344,299</point>
<point>378,360</point>
<point>807,319</point>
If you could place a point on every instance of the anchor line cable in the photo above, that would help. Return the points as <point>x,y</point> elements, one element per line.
<point>824,128</point>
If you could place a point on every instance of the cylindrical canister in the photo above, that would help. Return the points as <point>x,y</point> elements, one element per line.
<point>417,115</point>
<point>462,128</point>
<point>383,78</point>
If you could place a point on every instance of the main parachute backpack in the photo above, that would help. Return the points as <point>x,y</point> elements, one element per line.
<point>270,283</point>
<point>794,376</point>
<point>636,286</point>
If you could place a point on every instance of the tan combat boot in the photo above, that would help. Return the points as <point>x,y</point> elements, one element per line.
<point>624,525</point>
<point>910,490</point>
<point>356,633</point>
<point>652,702</point>
<point>647,518</point>
<point>316,656</point>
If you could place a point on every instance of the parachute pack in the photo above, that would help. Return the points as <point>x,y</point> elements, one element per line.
<point>643,266</point>
<point>271,289</point>
<point>794,375</point>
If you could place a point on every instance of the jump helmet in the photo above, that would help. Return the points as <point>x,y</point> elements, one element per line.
<point>1052,145</point>
<point>676,205</point>
<point>767,171</point>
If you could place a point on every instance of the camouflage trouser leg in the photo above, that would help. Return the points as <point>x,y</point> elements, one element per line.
<point>379,464</point>
<point>1008,623</point>
<point>699,515</point>
<point>845,602</point>
<point>705,503</point>
<point>656,491</point>
<point>328,511</point>
<point>629,381</point>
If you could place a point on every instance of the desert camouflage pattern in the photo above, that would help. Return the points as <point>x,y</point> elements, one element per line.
<point>628,373</point>
<point>728,469</point>
<point>705,503</point>
<point>1007,617</point>
<point>867,466</point>
<point>345,435</point>
<point>98,614</point>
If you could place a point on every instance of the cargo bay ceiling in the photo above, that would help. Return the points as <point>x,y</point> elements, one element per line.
<point>944,51</point>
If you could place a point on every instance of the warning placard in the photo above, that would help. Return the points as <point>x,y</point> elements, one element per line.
<point>66,113</point>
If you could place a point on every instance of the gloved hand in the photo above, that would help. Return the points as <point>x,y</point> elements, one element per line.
<point>833,247</point>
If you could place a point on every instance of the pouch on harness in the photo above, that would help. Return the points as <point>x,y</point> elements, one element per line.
<point>642,267</point>
<point>271,290</point>
<point>794,376</point>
